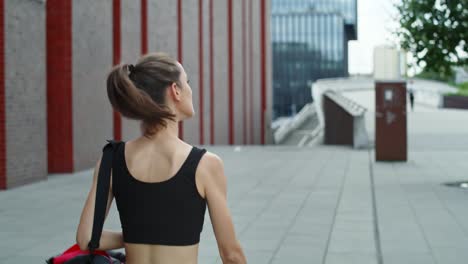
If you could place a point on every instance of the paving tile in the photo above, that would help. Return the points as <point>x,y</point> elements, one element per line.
<point>351,258</point>
<point>289,205</point>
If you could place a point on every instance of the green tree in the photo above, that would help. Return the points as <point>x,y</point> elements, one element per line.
<point>435,32</point>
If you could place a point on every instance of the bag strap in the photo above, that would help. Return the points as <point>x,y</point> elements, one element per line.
<point>102,193</point>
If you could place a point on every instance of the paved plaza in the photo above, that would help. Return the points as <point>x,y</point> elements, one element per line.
<point>315,204</point>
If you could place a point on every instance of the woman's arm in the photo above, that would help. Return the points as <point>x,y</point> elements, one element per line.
<point>214,186</point>
<point>109,239</point>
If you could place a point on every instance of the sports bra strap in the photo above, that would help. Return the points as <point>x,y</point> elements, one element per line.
<point>193,161</point>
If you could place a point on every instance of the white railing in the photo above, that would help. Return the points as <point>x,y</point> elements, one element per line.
<point>292,124</point>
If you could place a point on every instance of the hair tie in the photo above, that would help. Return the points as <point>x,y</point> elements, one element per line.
<point>131,68</point>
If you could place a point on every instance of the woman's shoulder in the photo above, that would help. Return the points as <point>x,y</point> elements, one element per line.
<point>209,158</point>
<point>210,165</point>
<point>210,174</point>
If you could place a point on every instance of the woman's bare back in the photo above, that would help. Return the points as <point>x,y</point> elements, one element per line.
<point>142,163</point>
<point>210,183</point>
<point>159,254</point>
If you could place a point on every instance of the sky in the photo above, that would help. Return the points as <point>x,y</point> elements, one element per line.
<point>376,20</point>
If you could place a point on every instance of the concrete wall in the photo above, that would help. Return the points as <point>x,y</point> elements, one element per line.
<point>220,54</point>
<point>190,61</point>
<point>131,51</point>
<point>238,77</point>
<point>92,50</point>
<point>207,71</point>
<point>249,68</point>
<point>81,52</point>
<point>165,38</point>
<point>25,92</point>
<point>269,78</point>
<point>162,26</point>
<point>256,84</point>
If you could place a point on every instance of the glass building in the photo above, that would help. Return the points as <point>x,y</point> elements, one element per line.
<point>310,42</point>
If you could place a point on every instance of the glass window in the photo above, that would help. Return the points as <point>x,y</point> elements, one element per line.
<point>306,46</point>
<point>336,47</point>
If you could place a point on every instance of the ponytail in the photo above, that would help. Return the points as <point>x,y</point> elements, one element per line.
<point>139,100</point>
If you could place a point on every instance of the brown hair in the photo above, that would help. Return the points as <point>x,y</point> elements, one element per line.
<point>138,92</point>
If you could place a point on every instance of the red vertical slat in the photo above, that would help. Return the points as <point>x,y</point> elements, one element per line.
<point>201,69</point>
<point>3,179</point>
<point>180,52</point>
<point>116,46</point>
<point>230,75</point>
<point>212,119</point>
<point>59,86</point>
<point>263,68</point>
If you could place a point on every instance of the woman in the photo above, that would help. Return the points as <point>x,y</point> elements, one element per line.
<point>160,183</point>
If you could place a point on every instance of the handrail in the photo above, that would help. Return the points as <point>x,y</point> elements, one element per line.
<point>284,130</point>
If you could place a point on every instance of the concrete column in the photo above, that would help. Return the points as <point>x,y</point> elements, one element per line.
<point>206,71</point>
<point>220,74</point>
<point>256,72</point>
<point>268,71</point>
<point>201,72</point>
<point>3,176</point>
<point>131,51</point>
<point>238,72</point>
<point>92,60</point>
<point>249,68</point>
<point>24,98</point>
<point>162,26</point>
<point>190,62</point>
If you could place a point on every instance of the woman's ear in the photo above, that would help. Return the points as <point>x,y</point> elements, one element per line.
<point>175,91</point>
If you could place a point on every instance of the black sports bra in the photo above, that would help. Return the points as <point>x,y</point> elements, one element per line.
<point>171,212</point>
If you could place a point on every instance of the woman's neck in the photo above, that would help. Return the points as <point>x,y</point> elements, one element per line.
<point>166,135</point>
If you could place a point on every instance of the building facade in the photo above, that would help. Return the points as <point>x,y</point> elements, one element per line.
<point>309,42</point>
<point>54,111</point>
